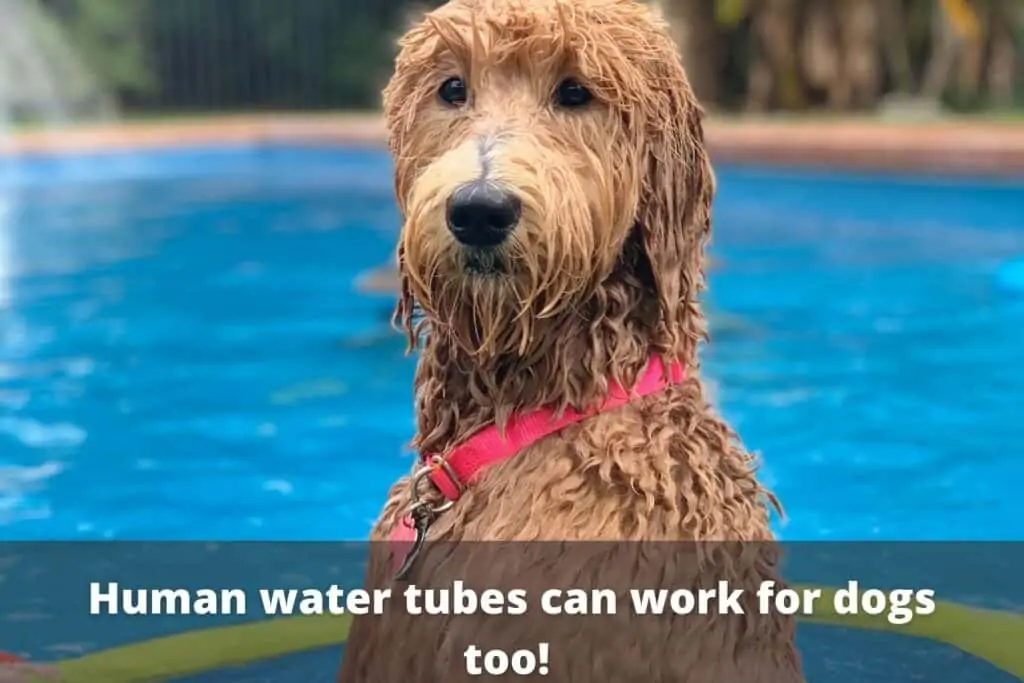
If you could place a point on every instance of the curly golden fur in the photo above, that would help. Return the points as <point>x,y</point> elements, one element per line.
<point>604,268</point>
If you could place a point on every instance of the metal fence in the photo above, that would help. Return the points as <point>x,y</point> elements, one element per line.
<point>167,56</point>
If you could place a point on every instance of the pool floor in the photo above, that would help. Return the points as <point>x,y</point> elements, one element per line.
<point>183,354</point>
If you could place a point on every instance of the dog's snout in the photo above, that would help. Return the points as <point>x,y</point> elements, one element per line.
<point>481,214</point>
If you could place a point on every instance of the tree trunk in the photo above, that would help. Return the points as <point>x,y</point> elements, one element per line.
<point>972,56</point>
<point>956,33</point>
<point>892,22</point>
<point>820,53</point>
<point>861,63</point>
<point>1001,68</point>
<point>946,47</point>
<point>775,76</point>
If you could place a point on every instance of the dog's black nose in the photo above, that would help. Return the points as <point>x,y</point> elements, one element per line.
<point>480,214</point>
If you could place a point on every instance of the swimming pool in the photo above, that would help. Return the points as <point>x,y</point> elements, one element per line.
<point>183,354</point>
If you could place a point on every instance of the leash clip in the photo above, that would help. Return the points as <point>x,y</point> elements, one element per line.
<point>433,464</point>
<point>422,516</point>
<point>423,513</point>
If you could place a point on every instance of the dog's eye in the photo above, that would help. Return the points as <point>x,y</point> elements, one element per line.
<point>453,91</point>
<point>571,94</point>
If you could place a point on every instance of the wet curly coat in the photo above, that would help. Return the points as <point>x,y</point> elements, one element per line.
<point>580,110</point>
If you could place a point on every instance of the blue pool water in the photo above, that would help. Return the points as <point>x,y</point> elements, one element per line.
<point>183,353</point>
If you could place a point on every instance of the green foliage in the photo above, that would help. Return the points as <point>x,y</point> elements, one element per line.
<point>729,13</point>
<point>106,33</point>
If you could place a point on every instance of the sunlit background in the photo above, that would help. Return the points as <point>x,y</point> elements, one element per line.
<point>197,225</point>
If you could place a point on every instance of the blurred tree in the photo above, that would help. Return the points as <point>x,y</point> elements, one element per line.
<point>695,27</point>
<point>107,34</point>
<point>775,77</point>
<point>849,54</point>
<point>955,37</point>
<point>1003,17</point>
<point>892,23</point>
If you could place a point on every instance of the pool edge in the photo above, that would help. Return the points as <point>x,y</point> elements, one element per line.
<point>935,148</point>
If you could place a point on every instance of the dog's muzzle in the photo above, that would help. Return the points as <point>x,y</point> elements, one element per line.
<point>482,215</point>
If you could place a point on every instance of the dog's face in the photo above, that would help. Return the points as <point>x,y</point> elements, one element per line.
<point>536,142</point>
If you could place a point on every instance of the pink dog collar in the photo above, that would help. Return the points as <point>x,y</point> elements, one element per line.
<point>451,473</point>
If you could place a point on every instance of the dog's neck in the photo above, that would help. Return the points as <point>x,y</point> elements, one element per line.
<point>457,393</point>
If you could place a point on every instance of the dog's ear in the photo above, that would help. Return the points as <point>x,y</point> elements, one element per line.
<point>404,317</point>
<point>674,212</point>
